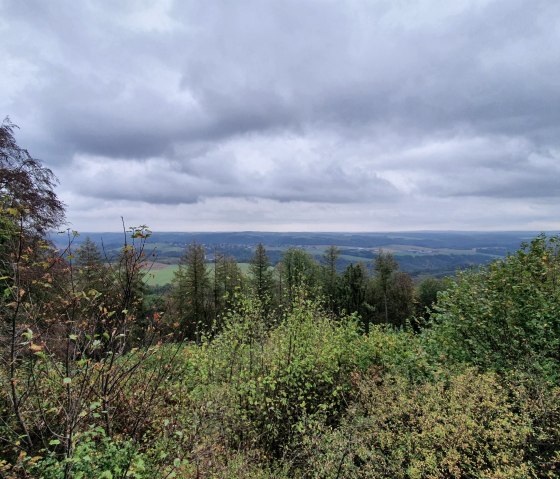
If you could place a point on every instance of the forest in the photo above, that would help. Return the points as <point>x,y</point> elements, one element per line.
<point>301,370</point>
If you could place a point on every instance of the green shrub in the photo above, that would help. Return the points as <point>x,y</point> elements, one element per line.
<point>506,316</point>
<point>397,352</point>
<point>95,456</point>
<point>462,428</point>
<point>541,404</point>
<point>272,384</point>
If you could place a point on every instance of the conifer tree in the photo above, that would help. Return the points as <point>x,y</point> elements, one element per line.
<point>191,290</point>
<point>227,278</point>
<point>385,266</point>
<point>299,270</point>
<point>261,274</point>
<point>93,274</point>
<point>330,276</point>
<point>352,292</point>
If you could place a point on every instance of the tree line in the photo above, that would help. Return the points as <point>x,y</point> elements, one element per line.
<point>378,293</point>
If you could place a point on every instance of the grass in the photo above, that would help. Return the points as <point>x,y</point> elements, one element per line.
<point>162,275</point>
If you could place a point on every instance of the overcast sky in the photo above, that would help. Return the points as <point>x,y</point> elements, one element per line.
<point>290,115</point>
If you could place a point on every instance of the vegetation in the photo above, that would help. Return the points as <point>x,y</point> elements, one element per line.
<point>304,370</point>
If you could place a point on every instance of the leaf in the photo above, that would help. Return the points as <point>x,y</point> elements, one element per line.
<point>54,442</point>
<point>28,334</point>
<point>67,380</point>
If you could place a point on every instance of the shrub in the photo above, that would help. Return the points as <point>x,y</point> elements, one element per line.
<point>256,390</point>
<point>95,455</point>
<point>465,427</point>
<point>506,316</point>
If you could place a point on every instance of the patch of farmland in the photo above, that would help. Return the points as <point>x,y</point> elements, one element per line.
<point>161,274</point>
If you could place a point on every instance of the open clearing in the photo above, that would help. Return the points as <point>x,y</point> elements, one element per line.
<point>161,274</point>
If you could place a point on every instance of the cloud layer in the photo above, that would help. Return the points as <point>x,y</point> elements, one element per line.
<point>314,115</point>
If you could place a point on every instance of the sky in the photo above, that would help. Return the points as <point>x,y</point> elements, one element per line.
<point>291,115</point>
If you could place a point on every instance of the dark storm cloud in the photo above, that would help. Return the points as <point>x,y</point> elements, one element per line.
<point>317,102</point>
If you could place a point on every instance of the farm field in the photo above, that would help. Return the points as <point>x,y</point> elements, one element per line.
<point>161,274</point>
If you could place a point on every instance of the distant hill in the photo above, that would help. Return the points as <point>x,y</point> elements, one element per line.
<point>419,252</point>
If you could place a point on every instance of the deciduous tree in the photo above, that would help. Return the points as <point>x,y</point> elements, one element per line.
<point>26,186</point>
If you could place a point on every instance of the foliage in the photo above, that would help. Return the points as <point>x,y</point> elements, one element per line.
<point>261,274</point>
<point>26,186</point>
<point>228,279</point>
<point>191,294</point>
<point>506,316</point>
<point>274,382</point>
<point>395,352</point>
<point>464,427</point>
<point>66,351</point>
<point>95,455</point>
<point>298,270</point>
<point>330,277</point>
<point>352,292</point>
<point>390,295</point>
<point>426,296</point>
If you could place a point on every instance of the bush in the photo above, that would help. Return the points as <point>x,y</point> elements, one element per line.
<point>396,352</point>
<point>267,386</point>
<point>95,455</point>
<point>506,316</point>
<point>465,427</point>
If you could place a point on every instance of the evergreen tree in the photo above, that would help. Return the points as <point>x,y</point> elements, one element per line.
<point>391,293</point>
<point>352,292</point>
<point>88,254</point>
<point>261,274</point>
<point>299,270</point>
<point>227,278</point>
<point>330,276</point>
<point>385,266</point>
<point>191,289</point>
<point>93,273</point>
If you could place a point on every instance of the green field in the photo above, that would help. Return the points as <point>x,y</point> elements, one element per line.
<point>161,276</point>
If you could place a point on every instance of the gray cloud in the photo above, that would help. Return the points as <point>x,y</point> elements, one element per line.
<point>407,109</point>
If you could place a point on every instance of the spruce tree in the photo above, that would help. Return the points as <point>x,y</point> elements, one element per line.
<point>385,266</point>
<point>330,276</point>
<point>227,278</point>
<point>191,290</point>
<point>261,274</point>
